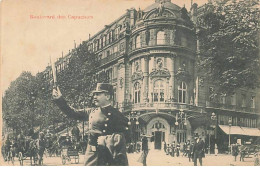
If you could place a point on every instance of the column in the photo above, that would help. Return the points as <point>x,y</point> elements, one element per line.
<point>146,73</point>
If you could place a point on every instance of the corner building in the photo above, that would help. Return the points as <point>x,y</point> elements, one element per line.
<point>150,57</point>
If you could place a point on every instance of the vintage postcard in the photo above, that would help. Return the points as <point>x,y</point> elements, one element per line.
<point>130,83</point>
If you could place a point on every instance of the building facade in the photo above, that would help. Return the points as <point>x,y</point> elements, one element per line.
<point>150,57</point>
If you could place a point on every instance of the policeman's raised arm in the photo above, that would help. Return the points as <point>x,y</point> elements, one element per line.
<point>78,114</point>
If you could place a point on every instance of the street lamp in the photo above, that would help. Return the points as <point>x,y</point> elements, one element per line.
<point>213,118</point>
<point>229,124</point>
<point>181,116</point>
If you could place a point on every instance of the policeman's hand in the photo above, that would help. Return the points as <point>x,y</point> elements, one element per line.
<point>56,94</point>
<point>101,140</point>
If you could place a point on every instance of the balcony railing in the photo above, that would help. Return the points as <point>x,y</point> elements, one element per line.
<point>230,107</point>
<point>109,58</point>
<point>157,105</point>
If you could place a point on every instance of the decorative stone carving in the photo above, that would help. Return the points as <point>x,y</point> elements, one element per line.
<point>163,73</point>
<point>160,9</point>
<point>120,66</point>
<point>137,66</point>
<point>183,75</point>
<point>159,63</point>
<point>137,76</point>
<point>121,82</point>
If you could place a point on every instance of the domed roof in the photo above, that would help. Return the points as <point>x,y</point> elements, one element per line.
<point>166,3</point>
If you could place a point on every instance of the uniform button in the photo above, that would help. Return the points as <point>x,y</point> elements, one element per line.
<point>126,128</point>
<point>106,125</point>
<point>104,131</point>
<point>91,117</point>
<point>109,114</point>
<point>107,119</point>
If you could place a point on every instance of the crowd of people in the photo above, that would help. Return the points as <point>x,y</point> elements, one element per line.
<point>193,150</point>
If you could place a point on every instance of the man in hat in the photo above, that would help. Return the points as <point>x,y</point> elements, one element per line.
<point>198,150</point>
<point>106,139</point>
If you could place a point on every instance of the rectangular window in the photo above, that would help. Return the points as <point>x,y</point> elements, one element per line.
<point>184,137</point>
<point>252,102</point>
<point>104,41</point>
<point>243,104</point>
<point>233,99</point>
<point>223,98</point>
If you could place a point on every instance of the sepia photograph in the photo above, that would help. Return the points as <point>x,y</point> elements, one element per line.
<point>130,83</point>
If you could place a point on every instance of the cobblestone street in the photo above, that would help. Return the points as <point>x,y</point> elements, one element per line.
<point>155,158</point>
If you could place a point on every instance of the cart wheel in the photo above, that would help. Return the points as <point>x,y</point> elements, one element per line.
<point>63,158</point>
<point>20,158</point>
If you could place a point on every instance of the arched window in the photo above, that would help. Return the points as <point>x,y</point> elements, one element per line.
<point>137,92</point>
<point>138,41</point>
<point>182,91</point>
<point>158,91</point>
<point>160,38</point>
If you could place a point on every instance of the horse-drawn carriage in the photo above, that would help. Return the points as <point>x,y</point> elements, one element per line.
<point>30,148</point>
<point>249,150</point>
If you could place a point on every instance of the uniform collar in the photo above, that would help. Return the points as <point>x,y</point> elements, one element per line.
<point>106,106</point>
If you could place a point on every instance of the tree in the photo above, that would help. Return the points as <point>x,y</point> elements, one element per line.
<point>19,103</point>
<point>230,44</point>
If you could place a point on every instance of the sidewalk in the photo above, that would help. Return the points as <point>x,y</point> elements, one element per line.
<point>159,158</point>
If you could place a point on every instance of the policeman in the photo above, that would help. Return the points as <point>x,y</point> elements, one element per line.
<point>106,139</point>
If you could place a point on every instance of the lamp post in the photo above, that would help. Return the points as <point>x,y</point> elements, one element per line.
<point>133,116</point>
<point>213,118</point>
<point>181,116</point>
<point>229,124</point>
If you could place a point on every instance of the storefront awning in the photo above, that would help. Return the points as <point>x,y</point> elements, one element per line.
<point>237,130</point>
<point>251,131</point>
<point>234,130</point>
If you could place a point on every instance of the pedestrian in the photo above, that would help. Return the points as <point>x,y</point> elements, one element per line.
<point>242,152</point>
<point>173,146</point>
<point>178,147</point>
<point>144,154</point>
<point>235,151</point>
<point>190,153</point>
<point>168,149</point>
<point>41,144</point>
<point>184,149</point>
<point>107,127</point>
<point>216,149</point>
<point>198,150</point>
<point>164,146</point>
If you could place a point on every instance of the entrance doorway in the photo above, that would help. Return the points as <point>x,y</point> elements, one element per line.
<point>158,140</point>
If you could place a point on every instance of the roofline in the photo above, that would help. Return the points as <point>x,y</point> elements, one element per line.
<point>102,30</point>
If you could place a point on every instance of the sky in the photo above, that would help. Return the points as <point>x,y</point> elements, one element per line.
<point>27,43</point>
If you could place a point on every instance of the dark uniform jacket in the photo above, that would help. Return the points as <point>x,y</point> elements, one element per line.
<point>107,122</point>
<point>198,149</point>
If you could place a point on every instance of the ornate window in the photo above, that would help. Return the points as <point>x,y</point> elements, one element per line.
<point>138,41</point>
<point>137,92</point>
<point>158,91</point>
<point>252,102</point>
<point>160,38</point>
<point>182,92</point>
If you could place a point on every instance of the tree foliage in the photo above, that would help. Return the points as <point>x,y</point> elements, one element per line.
<point>27,103</point>
<point>230,44</point>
